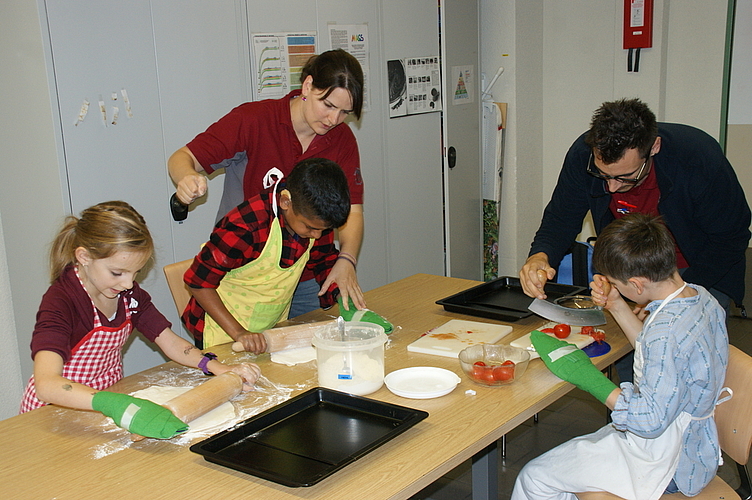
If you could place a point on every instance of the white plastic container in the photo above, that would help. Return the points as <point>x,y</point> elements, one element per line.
<point>353,364</point>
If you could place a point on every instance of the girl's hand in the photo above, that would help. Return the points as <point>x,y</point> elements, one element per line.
<point>249,372</point>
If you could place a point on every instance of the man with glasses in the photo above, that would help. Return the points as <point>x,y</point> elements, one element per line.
<point>627,162</point>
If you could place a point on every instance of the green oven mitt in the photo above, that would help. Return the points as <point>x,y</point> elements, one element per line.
<point>364,315</point>
<point>139,416</point>
<point>571,364</point>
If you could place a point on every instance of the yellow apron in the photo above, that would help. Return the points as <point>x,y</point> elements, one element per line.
<point>258,294</point>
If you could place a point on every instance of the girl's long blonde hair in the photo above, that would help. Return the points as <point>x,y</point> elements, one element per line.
<point>102,230</point>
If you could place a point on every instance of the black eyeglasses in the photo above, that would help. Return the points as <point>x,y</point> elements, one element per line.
<point>624,179</point>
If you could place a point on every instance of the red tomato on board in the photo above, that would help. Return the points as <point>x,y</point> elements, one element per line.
<point>587,330</point>
<point>562,331</point>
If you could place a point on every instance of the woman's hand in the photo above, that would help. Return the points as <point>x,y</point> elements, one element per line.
<point>343,274</point>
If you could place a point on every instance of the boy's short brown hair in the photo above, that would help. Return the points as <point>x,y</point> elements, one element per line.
<point>637,245</point>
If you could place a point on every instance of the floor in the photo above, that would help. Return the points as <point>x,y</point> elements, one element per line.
<point>576,414</point>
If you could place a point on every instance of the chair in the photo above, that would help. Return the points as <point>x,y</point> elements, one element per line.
<point>734,434</point>
<point>179,290</point>
<point>576,267</point>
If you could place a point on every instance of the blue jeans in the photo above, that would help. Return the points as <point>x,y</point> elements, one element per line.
<point>305,299</point>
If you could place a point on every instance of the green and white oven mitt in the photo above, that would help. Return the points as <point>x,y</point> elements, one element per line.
<point>363,315</point>
<point>572,365</point>
<point>139,416</point>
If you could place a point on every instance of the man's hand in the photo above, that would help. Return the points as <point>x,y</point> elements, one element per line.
<point>534,274</point>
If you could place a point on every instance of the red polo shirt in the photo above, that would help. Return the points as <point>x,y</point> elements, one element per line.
<point>262,131</point>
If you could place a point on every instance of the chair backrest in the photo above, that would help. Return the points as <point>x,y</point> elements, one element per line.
<point>179,290</point>
<point>733,417</point>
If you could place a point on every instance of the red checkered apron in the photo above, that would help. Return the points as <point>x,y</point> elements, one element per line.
<point>96,361</point>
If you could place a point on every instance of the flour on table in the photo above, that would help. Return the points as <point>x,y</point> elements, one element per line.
<point>213,421</point>
<point>291,357</point>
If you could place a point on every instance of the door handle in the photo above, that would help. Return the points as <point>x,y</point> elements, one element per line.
<point>452,157</point>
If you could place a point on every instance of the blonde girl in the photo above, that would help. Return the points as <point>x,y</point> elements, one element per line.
<point>88,313</point>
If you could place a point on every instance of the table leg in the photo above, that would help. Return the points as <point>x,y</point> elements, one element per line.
<point>485,473</point>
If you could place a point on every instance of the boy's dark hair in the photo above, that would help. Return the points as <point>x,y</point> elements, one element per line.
<point>620,125</point>
<point>318,188</point>
<point>336,69</point>
<point>636,245</point>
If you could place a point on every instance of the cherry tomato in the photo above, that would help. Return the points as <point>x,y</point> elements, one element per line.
<point>598,335</point>
<point>587,330</point>
<point>504,372</point>
<point>488,375</point>
<point>548,330</point>
<point>478,371</point>
<point>562,331</point>
<point>479,363</point>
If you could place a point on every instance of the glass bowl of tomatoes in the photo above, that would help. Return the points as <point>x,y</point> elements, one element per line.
<point>493,365</point>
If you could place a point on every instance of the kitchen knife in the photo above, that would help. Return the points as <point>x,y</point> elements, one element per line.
<point>561,314</point>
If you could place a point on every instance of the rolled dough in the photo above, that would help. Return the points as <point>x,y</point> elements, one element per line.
<point>291,357</point>
<point>215,420</point>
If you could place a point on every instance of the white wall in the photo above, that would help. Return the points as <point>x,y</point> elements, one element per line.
<point>562,60</point>
<point>31,187</point>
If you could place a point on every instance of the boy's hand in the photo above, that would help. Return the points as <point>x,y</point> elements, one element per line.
<point>252,342</point>
<point>603,293</point>
<point>138,416</point>
<point>572,365</point>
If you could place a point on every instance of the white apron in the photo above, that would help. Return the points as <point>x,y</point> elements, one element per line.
<point>645,466</point>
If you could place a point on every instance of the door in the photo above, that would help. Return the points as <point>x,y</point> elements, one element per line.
<point>461,138</point>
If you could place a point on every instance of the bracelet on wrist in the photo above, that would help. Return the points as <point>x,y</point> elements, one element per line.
<point>204,361</point>
<point>348,259</point>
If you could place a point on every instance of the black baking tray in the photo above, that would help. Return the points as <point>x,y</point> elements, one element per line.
<point>502,299</point>
<point>309,437</point>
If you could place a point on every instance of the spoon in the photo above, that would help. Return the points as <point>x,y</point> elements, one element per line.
<point>345,372</point>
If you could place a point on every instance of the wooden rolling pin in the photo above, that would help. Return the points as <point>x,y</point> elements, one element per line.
<point>288,337</point>
<point>203,399</point>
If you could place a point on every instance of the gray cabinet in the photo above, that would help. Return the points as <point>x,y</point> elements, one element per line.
<point>186,63</point>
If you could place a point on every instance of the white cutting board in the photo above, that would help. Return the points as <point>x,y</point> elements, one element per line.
<point>574,338</point>
<point>454,335</point>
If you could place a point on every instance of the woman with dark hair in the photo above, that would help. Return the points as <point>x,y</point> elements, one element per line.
<point>259,142</point>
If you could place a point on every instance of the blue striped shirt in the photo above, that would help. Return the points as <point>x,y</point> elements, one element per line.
<point>685,357</point>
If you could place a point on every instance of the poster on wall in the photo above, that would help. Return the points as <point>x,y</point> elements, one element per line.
<point>278,59</point>
<point>414,86</point>
<point>463,86</point>
<point>354,39</point>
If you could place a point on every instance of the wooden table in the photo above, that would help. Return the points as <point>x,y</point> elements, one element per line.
<point>59,453</point>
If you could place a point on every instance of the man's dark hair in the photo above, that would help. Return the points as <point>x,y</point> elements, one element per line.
<point>620,125</point>
<point>336,69</point>
<point>318,188</point>
<point>635,245</point>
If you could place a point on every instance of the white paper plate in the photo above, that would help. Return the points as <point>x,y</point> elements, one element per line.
<point>421,382</point>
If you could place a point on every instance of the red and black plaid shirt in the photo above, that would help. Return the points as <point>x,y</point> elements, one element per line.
<point>238,239</point>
